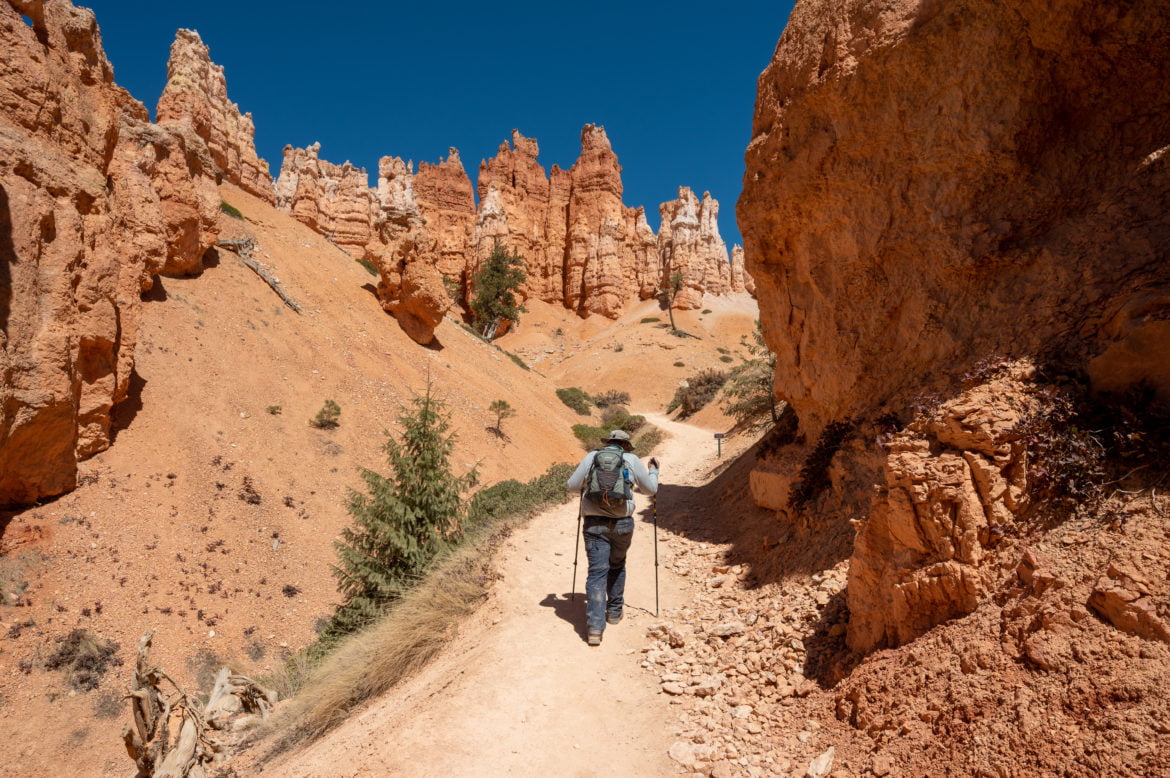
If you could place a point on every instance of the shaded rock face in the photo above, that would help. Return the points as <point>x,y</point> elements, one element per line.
<point>689,243</point>
<point>94,202</point>
<point>196,95</point>
<point>955,483</point>
<point>334,200</point>
<point>930,182</point>
<point>581,246</point>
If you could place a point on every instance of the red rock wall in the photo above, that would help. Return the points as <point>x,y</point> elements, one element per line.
<point>582,247</point>
<point>196,95</point>
<point>930,182</point>
<point>94,202</point>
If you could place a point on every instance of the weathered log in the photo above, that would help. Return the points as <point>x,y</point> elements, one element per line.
<point>243,249</point>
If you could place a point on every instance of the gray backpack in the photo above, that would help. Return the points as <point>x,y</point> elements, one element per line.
<point>608,482</point>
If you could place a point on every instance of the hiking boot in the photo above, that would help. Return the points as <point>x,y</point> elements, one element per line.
<point>595,637</point>
<point>613,618</point>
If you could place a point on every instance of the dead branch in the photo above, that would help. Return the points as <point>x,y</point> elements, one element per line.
<point>233,704</point>
<point>242,247</point>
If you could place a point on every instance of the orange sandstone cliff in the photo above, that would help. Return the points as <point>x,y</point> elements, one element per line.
<point>94,202</point>
<point>196,95</point>
<point>582,247</point>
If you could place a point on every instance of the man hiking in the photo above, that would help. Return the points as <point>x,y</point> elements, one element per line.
<point>606,478</point>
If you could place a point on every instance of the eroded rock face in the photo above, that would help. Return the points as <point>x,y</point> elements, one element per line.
<point>689,243</point>
<point>334,200</point>
<point>409,286</point>
<point>196,95</point>
<point>94,202</point>
<point>938,181</point>
<point>445,201</point>
<point>955,483</point>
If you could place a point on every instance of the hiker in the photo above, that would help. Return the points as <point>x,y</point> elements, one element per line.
<point>607,510</point>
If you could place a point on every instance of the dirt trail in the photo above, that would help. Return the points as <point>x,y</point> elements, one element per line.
<point>519,692</point>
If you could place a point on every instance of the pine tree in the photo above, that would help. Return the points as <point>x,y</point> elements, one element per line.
<point>496,284</point>
<point>404,520</point>
<point>502,410</point>
<point>750,391</point>
<point>668,294</point>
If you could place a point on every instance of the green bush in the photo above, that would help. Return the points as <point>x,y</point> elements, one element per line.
<point>616,417</point>
<point>576,399</point>
<point>726,358</point>
<point>274,410</point>
<point>696,392</point>
<point>511,498</point>
<point>680,364</point>
<point>370,267</point>
<point>230,210</point>
<point>644,440</point>
<point>516,359</point>
<point>650,320</point>
<point>705,311</point>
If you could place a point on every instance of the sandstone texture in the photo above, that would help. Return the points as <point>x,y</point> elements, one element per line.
<point>409,286</point>
<point>582,247</point>
<point>334,200</point>
<point>955,483</point>
<point>930,182</point>
<point>94,202</point>
<point>196,96</point>
<point>689,243</point>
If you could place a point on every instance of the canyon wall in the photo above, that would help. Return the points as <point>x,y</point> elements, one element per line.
<point>928,184</point>
<point>931,182</point>
<point>196,96</point>
<point>582,247</point>
<point>94,202</point>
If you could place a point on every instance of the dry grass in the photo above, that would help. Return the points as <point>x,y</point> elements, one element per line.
<point>411,634</point>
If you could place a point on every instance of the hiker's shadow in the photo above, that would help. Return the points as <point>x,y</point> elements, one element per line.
<point>570,610</point>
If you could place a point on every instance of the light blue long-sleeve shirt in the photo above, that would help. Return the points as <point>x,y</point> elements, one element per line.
<point>644,479</point>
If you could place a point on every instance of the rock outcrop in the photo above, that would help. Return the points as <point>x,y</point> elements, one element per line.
<point>94,202</point>
<point>689,243</point>
<point>955,482</point>
<point>582,247</point>
<point>931,182</point>
<point>334,200</point>
<point>196,95</point>
<point>445,201</point>
<point>410,286</point>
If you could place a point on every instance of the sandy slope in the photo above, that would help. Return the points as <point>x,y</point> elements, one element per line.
<point>519,692</point>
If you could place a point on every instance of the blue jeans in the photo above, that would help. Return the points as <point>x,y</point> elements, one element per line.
<point>606,544</point>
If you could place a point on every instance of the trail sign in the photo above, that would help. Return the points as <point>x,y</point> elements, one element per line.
<point>719,442</point>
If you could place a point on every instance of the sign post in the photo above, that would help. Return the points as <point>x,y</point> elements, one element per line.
<point>719,442</point>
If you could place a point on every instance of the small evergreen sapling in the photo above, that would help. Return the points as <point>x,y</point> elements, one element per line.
<point>327,417</point>
<point>403,520</point>
<point>502,410</point>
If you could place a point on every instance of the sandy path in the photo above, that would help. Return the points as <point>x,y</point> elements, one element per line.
<point>519,692</point>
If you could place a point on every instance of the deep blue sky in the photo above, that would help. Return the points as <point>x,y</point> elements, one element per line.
<point>673,83</point>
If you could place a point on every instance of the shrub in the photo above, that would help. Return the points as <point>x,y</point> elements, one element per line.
<point>511,498</point>
<point>576,399</point>
<point>611,397</point>
<point>230,210</point>
<point>619,347</point>
<point>749,392</point>
<point>680,364</point>
<point>273,409</point>
<point>696,392</point>
<point>726,358</point>
<point>616,417</point>
<point>814,474</point>
<point>647,440</point>
<point>327,417</point>
<point>517,360</point>
<point>650,320</point>
<point>370,267</point>
<point>403,521</point>
<point>705,311</point>
<point>84,658</point>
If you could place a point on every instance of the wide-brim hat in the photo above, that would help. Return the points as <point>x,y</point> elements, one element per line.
<point>621,438</point>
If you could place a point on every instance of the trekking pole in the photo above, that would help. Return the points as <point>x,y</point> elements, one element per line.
<point>576,551</point>
<point>654,503</point>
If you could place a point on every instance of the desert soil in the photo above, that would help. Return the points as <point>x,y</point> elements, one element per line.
<point>519,692</point>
